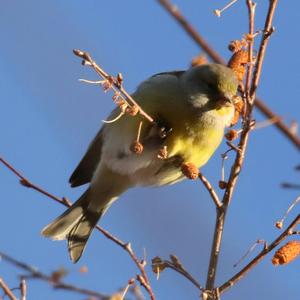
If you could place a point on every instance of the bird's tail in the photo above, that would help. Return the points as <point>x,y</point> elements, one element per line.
<point>75,225</point>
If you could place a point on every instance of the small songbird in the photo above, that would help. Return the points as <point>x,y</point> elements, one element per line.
<point>191,109</point>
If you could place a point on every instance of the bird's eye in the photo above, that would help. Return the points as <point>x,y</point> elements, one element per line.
<point>210,86</point>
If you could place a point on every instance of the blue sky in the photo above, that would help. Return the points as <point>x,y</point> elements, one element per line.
<point>47,119</point>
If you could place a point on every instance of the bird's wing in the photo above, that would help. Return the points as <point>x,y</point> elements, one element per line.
<point>176,73</point>
<point>87,166</point>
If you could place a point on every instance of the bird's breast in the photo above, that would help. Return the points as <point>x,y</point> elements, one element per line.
<point>196,140</point>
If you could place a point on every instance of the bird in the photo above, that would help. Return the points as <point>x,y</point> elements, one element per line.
<point>191,110</point>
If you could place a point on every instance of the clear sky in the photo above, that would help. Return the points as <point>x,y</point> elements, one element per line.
<point>47,119</point>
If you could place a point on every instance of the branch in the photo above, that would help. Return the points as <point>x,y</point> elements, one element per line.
<point>116,82</point>
<point>23,289</point>
<point>158,265</point>
<point>267,32</point>
<point>7,290</point>
<point>211,190</point>
<point>143,278</point>
<point>237,277</point>
<point>33,273</point>
<point>194,34</point>
<point>240,155</point>
<point>25,182</point>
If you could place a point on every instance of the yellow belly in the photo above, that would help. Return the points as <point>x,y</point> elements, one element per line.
<point>196,145</point>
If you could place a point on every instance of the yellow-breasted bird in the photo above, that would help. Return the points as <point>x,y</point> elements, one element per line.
<point>192,106</point>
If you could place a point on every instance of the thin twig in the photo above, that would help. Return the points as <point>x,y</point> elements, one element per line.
<point>283,128</point>
<point>25,182</point>
<point>126,288</point>
<point>288,185</point>
<point>237,277</point>
<point>194,34</point>
<point>218,12</point>
<point>23,289</point>
<point>7,290</point>
<point>136,291</point>
<point>33,273</point>
<point>279,223</point>
<point>268,30</point>
<point>190,30</point>
<point>158,265</point>
<point>145,280</point>
<point>266,123</point>
<point>65,202</point>
<point>210,189</point>
<point>251,12</point>
<point>184,273</point>
<point>249,251</point>
<point>215,249</point>
<point>86,57</point>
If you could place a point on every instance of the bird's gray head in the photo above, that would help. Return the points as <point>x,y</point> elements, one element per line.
<point>211,85</point>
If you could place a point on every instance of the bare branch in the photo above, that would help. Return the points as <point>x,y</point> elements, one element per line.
<point>279,223</point>
<point>268,30</point>
<point>126,246</point>
<point>211,190</point>
<point>251,12</point>
<point>159,265</point>
<point>33,273</point>
<point>240,155</point>
<point>25,182</point>
<point>7,290</point>
<point>218,12</point>
<point>114,81</point>
<point>237,277</point>
<point>23,289</point>
<point>249,251</point>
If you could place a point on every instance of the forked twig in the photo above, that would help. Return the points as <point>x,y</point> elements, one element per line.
<point>238,276</point>
<point>115,83</point>
<point>158,265</point>
<point>7,290</point>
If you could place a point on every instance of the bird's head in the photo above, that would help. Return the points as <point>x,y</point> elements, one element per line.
<point>211,86</point>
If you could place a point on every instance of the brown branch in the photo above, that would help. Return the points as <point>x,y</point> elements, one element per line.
<point>116,83</point>
<point>237,277</point>
<point>267,32</point>
<point>7,290</point>
<point>184,273</point>
<point>211,190</point>
<point>126,246</point>
<point>191,31</point>
<point>125,290</point>
<point>194,34</point>
<point>240,155</point>
<point>251,12</point>
<point>292,136</point>
<point>33,273</point>
<point>158,265</point>
<point>23,289</point>
<point>215,249</point>
<point>25,182</point>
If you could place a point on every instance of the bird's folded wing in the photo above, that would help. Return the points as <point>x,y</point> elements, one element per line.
<point>176,73</point>
<point>159,85</point>
<point>88,164</point>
